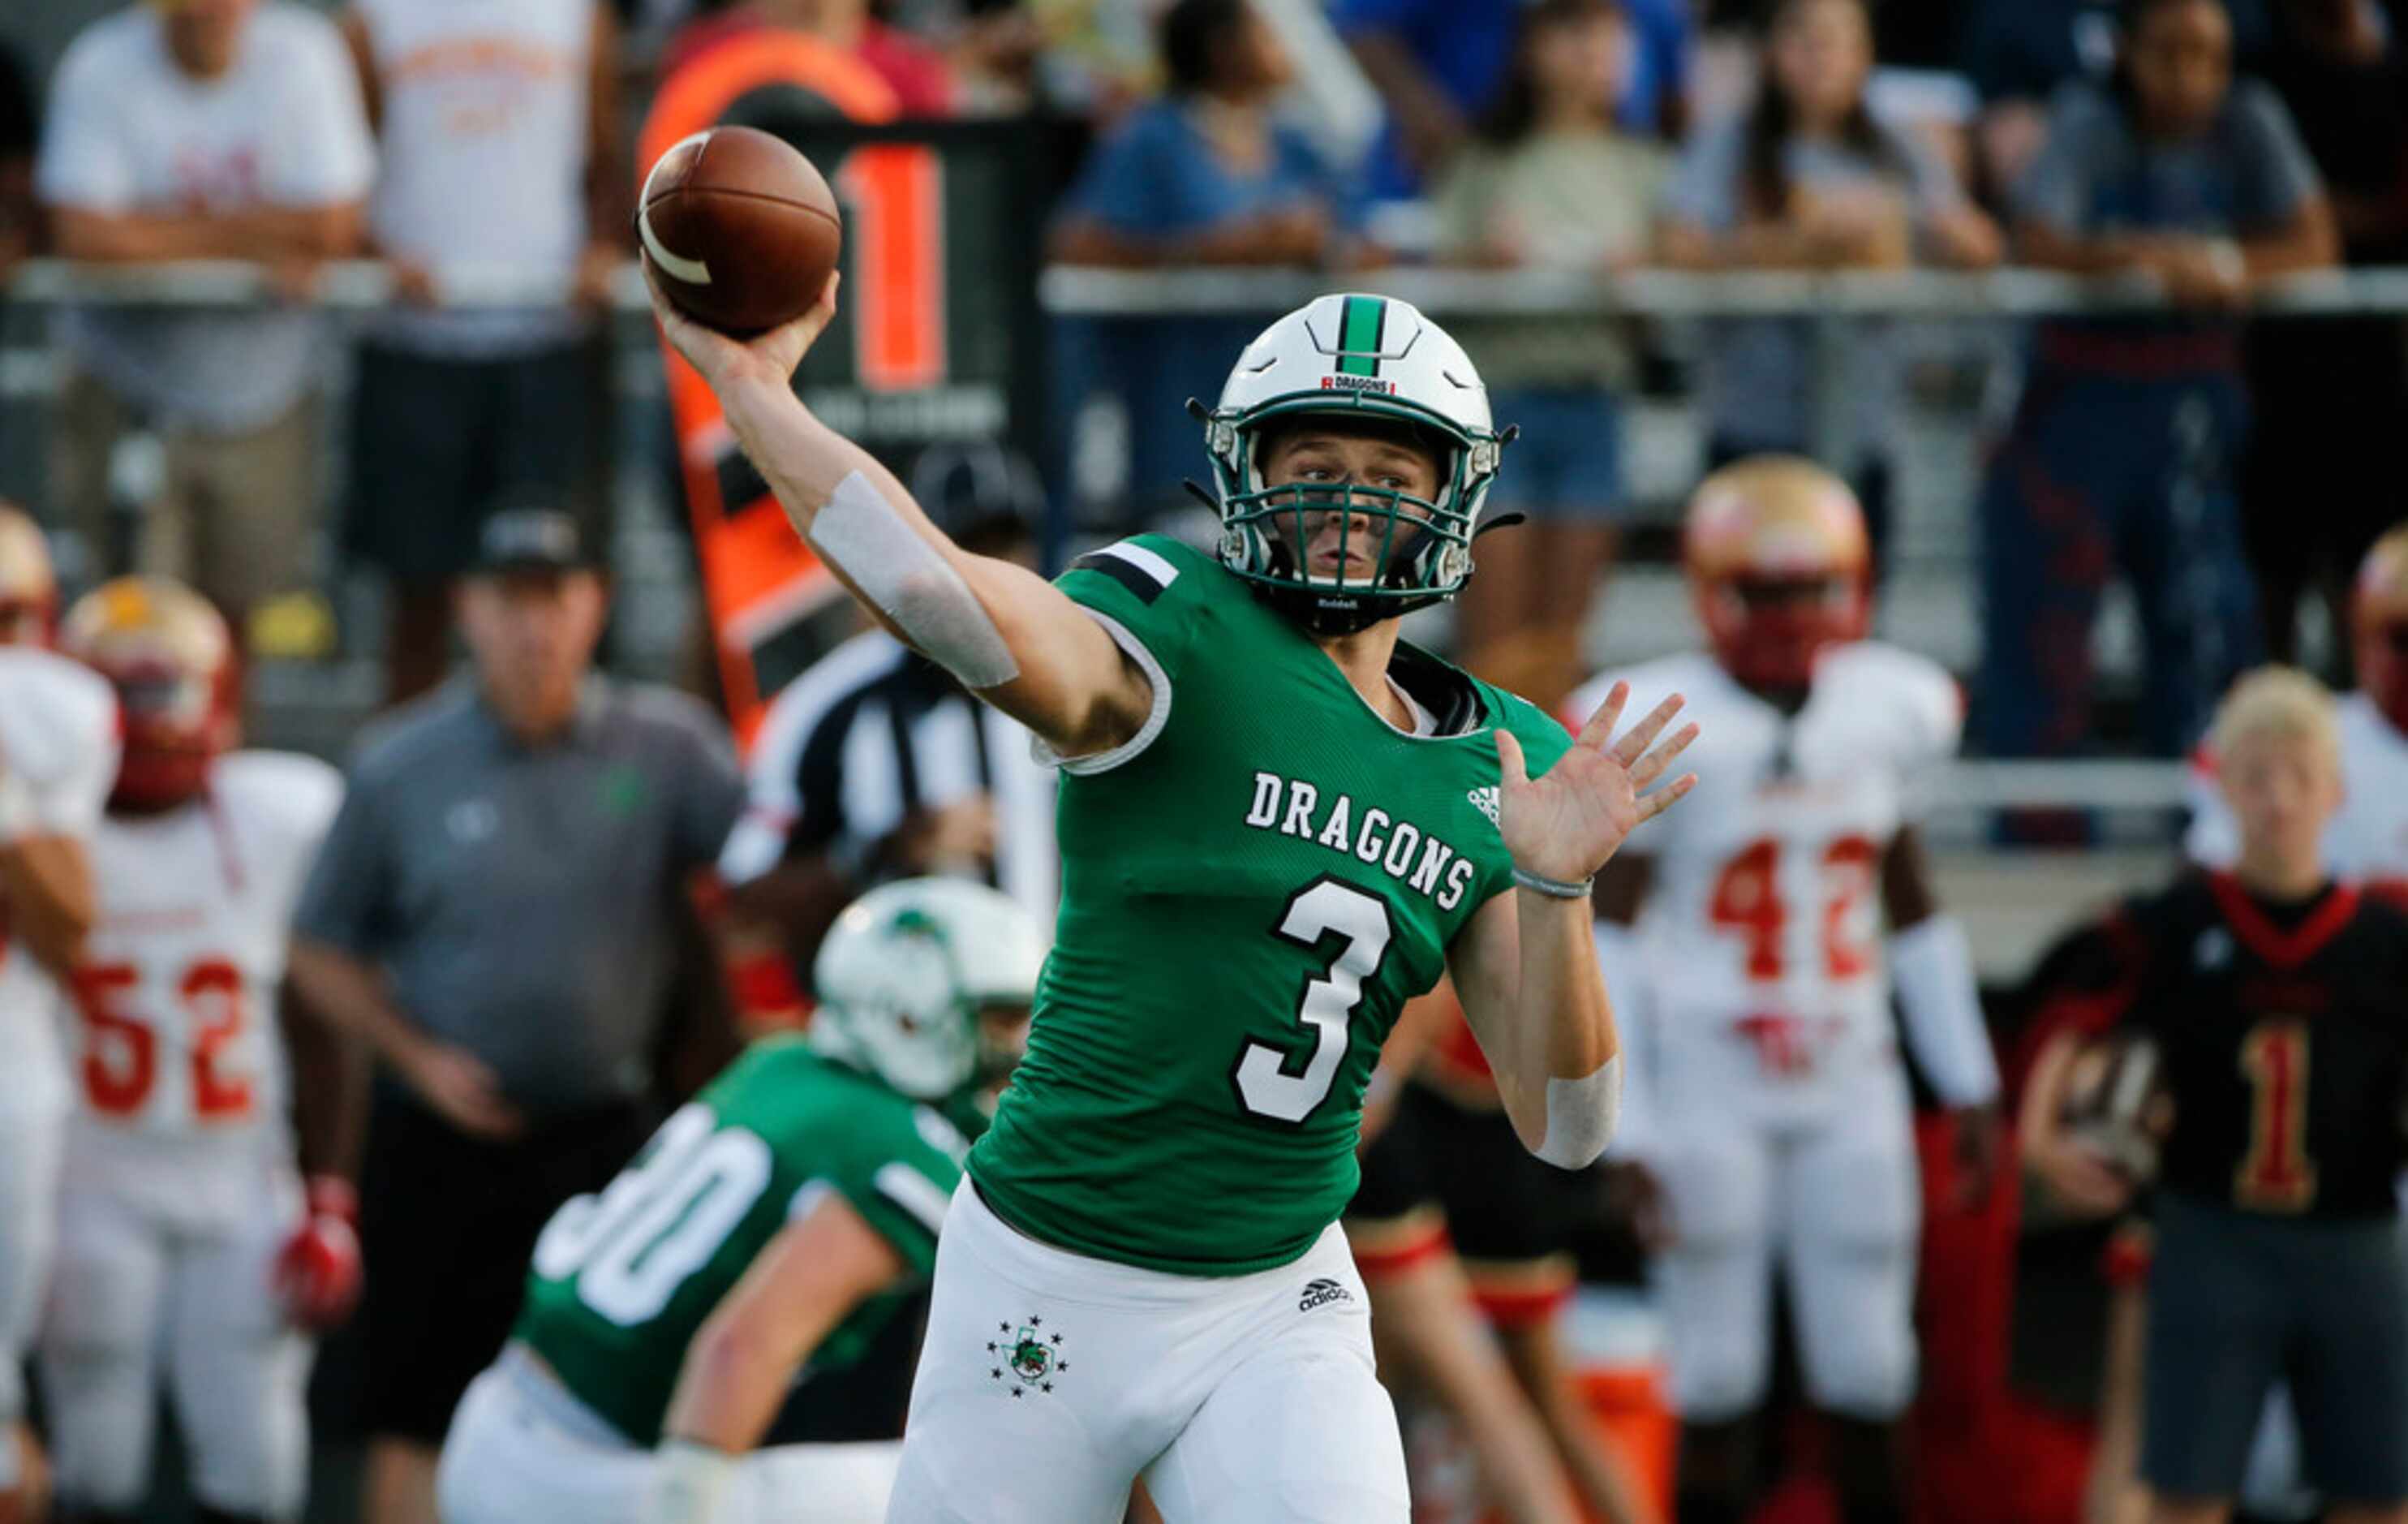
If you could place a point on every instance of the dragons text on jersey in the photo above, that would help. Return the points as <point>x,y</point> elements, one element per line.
<point>1371,835</point>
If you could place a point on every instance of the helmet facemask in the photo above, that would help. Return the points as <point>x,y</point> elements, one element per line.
<point>1356,366</point>
<point>1419,548</point>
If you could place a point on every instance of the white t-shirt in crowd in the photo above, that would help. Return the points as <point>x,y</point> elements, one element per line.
<point>483,121</point>
<point>129,131</point>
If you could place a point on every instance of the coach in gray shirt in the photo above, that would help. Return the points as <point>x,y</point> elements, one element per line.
<point>497,911</point>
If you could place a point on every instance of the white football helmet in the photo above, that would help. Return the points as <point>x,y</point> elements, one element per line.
<point>905,971</point>
<point>1369,357</point>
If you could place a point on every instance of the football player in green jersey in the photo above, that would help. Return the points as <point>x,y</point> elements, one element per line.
<point>1277,821</point>
<point>779,1218</point>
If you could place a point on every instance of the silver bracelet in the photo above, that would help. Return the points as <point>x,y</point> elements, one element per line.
<point>1553,888</point>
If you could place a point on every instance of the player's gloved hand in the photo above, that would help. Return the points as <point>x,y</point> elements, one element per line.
<point>318,1270</point>
<point>688,1481</point>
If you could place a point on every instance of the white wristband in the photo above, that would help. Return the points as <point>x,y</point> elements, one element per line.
<point>1553,889</point>
<point>689,1480</point>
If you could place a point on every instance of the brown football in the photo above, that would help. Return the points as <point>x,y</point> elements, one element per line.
<point>740,229</point>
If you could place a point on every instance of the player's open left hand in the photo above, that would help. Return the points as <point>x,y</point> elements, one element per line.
<point>725,361</point>
<point>1567,823</point>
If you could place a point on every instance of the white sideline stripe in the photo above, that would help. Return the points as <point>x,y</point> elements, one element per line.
<point>914,1192</point>
<point>1144,560</point>
<point>694,272</point>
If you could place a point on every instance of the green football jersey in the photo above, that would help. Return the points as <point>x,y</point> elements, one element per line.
<point>622,1280</point>
<point>1252,888</point>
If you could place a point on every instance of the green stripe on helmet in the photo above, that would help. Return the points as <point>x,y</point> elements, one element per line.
<point>1358,335</point>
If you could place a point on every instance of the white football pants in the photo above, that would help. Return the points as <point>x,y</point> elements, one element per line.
<point>166,1260</point>
<point>1834,1203</point>
<point>522,1450</point>
<point>1051,1381</point>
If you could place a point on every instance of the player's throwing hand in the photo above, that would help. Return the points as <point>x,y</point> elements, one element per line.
<point>771,356</point>
<point>1564,823</point>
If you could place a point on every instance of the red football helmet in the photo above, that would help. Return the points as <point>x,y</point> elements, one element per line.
<point>29,594</point>
<point>168,654</point>
<point>1779,566</point>
<point>2379,617</point>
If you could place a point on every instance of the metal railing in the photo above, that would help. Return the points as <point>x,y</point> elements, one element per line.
<point>1832,301</point>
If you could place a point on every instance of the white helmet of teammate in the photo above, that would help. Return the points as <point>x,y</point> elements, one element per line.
<point>1370,358</point>
<point>903,974</point>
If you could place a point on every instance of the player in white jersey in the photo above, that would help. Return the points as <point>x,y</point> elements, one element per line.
<point>2368,839</point>
<point>189,1249</point>
<point>58,749</point>
<point>1774,1115</point>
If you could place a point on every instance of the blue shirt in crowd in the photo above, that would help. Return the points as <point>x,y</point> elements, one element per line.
<point>2246,174</point>
<point>1467,46</point>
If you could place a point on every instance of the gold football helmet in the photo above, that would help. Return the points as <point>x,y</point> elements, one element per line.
<point>29,592</point>
<point>168,653</point>
<point>2379,623</point>
<point>1780,566</point>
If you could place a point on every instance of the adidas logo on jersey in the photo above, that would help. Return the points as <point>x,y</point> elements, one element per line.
<point>1320,1293</point>
<point>1484,800</point>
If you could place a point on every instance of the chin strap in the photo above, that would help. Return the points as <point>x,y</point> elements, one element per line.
<point>1502,521</point>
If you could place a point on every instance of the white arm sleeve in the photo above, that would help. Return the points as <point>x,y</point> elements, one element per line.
<point>1580,1116</point>
<point>860,533</point>
<point>1931,967</point>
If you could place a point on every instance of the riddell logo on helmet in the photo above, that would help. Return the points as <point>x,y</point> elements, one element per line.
<point>1358,383</point>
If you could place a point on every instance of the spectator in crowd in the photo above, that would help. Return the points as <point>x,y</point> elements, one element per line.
<point>20,130</point>
<point>212,129</point>
<point>877,764</point>
<point>1441,64</point>
<point>1204,176</point>
<point>2124,448</point>
<point>1549,182</point>
<point>499,137</point>
<point>2020,53</point>
<point>1809,178</point>
<point>2330,393</point>
<point>914,70</point>
<point>496,913</point>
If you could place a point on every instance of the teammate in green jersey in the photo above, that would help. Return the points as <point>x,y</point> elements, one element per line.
<point>1277,824</point>
<point>779,1218</point>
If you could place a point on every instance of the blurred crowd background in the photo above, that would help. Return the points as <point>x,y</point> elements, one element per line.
<point>297,300</point>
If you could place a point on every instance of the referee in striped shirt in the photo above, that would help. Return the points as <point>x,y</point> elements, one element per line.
<point>875,763</point>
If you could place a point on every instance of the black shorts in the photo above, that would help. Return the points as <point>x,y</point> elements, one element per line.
<point>1446,1173</point>
<point>447,1226</point>
<point>438,444</point>
<point>2236,1302</point>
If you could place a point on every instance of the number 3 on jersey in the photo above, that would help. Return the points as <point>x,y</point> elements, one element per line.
<point>1747,900</point>
<point>1323,909</point>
